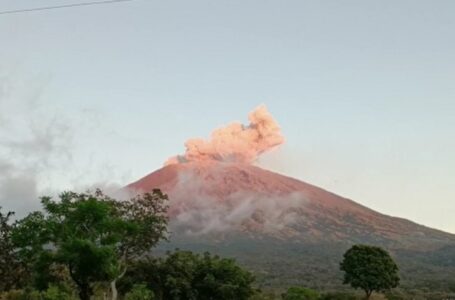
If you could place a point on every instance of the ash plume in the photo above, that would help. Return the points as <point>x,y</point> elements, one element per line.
<point>235,142</point>
<point>195,212</point>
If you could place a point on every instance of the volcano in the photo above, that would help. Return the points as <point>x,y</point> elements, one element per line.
<point>287,231</point>
<point>274,224</point>
<point>299,210</point>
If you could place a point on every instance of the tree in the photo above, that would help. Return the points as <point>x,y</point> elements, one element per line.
<point>94,237</point>
<point>183,275</point>
<point>145,217</point>
<point>139,292</point>
<point>300,293</point>
<point>222,278</point>
<point>12,271</point>
<point>370,269</point>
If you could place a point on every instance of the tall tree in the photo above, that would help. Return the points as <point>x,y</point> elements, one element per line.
<point>370,269</point>
<point>93,236</point>
<point>12,271</point>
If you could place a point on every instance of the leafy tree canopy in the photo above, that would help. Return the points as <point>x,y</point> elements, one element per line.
<point>370,269</point>
<point>183,275</point>
<point>139,292</point>
<point>94,237</point>
<point>12,271</point>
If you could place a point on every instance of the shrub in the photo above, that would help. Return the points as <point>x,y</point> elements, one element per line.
<point>139,292</point>
<point>338,296</point>
<point>300,293</point>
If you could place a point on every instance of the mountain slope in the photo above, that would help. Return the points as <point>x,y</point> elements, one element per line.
<point>288,231</point>
<point>318,215</point>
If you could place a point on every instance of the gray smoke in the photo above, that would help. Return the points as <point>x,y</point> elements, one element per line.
<point>32,141</point>
<point>194,212</point>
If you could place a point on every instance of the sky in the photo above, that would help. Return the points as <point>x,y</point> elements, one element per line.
<point>363,91</point>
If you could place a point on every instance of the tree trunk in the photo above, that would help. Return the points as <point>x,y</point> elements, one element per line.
<point>85,290</point>
<point>114,293</point>
<point>368,294</point>
<point>84,293</point>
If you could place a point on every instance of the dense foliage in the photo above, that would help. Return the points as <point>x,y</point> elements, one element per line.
<point>84,245</point>
<point>12,271</point>
<point>81,245</point>
<point>183,275</point>
<point>300,293</point>
<point>89,238</point>
<point>370,269</point>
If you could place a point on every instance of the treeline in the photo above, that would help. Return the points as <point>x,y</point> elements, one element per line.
<point>90,246</point>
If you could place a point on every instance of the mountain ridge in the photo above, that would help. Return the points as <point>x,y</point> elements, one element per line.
<point>289,232</point>
<point>221,181</point>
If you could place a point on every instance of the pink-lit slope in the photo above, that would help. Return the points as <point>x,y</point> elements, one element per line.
<point>321,215</point>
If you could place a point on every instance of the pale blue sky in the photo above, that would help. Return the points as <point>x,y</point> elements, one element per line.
<point>363,90</point>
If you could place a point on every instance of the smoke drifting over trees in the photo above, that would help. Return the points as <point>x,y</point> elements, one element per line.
<point>31,141</point>
<point>47,147</point>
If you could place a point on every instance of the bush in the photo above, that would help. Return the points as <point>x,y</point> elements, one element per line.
<point>139,292</point>
<point>338,296</point>
<point>12,295</point>
<point>300,293</point>
<point>185,275</point>
<point>57,293</point>
<point>263,296</point>
<point>52,293</point>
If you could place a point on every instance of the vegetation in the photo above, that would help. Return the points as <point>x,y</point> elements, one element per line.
<point>338,296</point>
<point>370,269</point>
<point>90,246</point>
<point>300,293</point>
<point>188,276</point>
<point>84,244</point>
<point>88,238</point>
<point>139,292</point>
<point>11,269</point>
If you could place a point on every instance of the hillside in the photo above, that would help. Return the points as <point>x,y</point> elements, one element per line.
<point>287,230</point>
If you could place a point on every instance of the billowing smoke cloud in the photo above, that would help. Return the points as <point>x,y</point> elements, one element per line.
<point>193,211</point>
<point>235,142</point>
<point>45,150</point>
<point>199,206</point>
<point>31,143</point>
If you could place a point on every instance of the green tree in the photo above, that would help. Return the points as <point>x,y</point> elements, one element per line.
<point>139,292</point>
<point>370,269</point>
<point>222,278</point>
<point>12,271</point>
<point>183,275</point>
<point>94,237</point>
<point>300,293</point>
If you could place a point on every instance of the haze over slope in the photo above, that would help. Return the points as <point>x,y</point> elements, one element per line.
<point>287,231</point>
<point>215,189</point>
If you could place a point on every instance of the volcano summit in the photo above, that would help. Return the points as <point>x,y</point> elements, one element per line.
<point>283,228</point>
